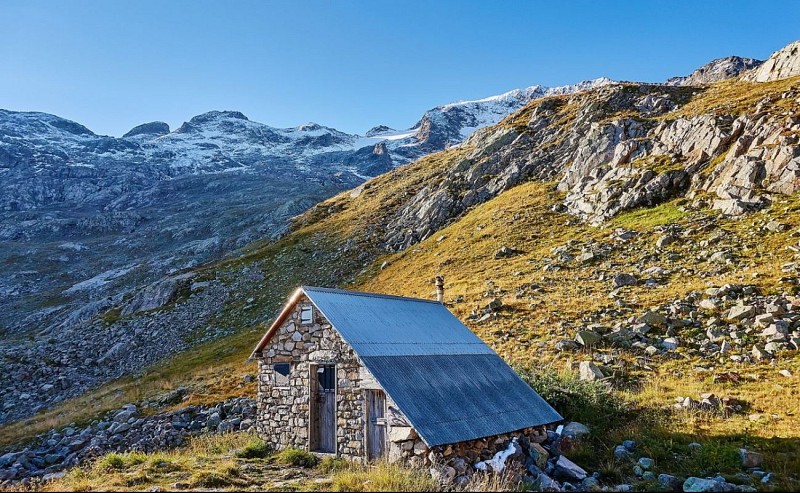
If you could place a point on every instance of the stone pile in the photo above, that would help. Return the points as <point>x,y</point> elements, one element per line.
<point>70,360</point>
<point>708,402</point>
<point>729,322</point>
<point>125,429</point>
<point>535,455</point>
<point>645,470</point>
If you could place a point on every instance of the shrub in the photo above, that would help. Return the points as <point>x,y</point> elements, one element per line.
<point>111,462</point>
<point>118,462</point>
<point>211,479</point>
<point>590,403</point>
<point>256,449</point>
<point>297,457</point>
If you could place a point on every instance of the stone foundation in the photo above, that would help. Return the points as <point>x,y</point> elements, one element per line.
<point>415,452</point>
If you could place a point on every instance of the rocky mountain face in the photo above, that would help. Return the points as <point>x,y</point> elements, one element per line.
<point>87,218</point>
<point>783,63</point>
<point>450,124</point>
<point>628,145</point>
<point>717,70</point>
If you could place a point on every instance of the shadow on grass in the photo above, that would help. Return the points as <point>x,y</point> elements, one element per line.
<point>659,435</point>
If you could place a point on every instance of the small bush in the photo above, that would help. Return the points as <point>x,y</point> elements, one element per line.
<point>257,449</point>
<point>209,445</point>
<point>118,462</point>
<point>297,457</point>
<point>111,462</point>
<point>715,457</point>
<point>77,480</point>
<point>590,403</point>
<point>331,464</point>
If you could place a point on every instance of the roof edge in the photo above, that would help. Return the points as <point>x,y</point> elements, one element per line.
<point>287,309</point>
<point>365,293</point>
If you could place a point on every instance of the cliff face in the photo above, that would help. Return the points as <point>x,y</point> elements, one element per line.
<point>782,64</point>
<point>730,145</point>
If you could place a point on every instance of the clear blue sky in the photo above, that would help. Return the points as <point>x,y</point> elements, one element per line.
<point>111,65</point>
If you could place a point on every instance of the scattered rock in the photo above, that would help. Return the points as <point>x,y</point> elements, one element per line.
<point>589,371</point>
<point>506,252</point>
<point>750,458</point>
<point>568,470</point>
<point>587,338</point>
<point>621,280</point>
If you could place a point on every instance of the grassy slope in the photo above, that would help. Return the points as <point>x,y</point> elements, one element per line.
<point>336,243</point>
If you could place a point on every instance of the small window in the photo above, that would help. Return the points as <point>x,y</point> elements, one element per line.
<point>306,315</point>
<point>281,374</point>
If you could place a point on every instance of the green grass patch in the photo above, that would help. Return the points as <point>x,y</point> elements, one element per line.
<point>590,403</point>
<point>296,457</point>
<point>331,464</point>
<point>120,462</point>
<point>256,449</point>
<point>649,217</point>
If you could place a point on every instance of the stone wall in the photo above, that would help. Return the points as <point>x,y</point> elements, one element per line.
<point>284,412</point>
<point>461,456</point>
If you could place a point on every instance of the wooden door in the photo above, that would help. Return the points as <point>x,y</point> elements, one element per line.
<point>323,412</point>
<point>376,424</point>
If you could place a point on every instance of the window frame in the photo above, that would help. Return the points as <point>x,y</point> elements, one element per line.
<point>275,374</point>
<point>310,309</point>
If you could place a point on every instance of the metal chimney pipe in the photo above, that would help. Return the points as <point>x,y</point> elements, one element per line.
<point>440,289</point>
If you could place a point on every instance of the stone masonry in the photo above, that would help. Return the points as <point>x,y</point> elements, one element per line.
<point>284,412</point>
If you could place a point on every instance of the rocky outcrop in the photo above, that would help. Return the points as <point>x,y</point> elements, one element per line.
<point>149,129</point>
<point>782,64</point>
<point>122,430</point>
<point>157,294</point>
<point>717,70</point>
<point>79,356</point>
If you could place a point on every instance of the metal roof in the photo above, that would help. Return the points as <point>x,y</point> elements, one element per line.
<point>454,398</point>
<point>450,385</point>
<point>382,325</point>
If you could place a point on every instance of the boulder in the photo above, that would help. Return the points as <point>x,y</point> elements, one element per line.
<point>694,484</point>
<point>158,294</point>
<point>750,458</point>
<point>589,371</point>
<point>587,338</point>
<point>506,252</point>
<point>575,430</point>
<point>741,312</point>
<point>653,319</point>
<point>669,481</point>
<point>567,470</point>
<point>666,240</point>
<point>621,280</point>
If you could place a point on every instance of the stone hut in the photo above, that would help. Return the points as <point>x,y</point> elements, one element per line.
<point>367,376</point>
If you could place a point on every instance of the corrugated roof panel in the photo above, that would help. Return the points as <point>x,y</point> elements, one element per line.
<point>454,398</point>
<point>378,325</point>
